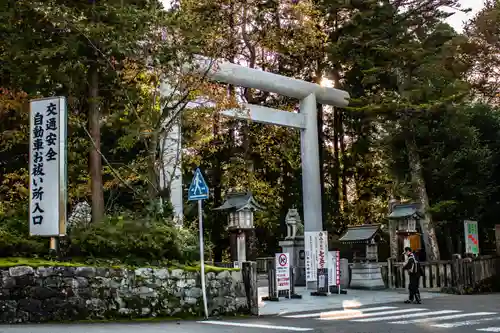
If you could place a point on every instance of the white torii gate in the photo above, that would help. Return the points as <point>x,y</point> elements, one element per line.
<point>306,121</point>
<point>309,94</point>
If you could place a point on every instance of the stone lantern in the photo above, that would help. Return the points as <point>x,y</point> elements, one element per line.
<point>404,223</point>
<point>240,207</point>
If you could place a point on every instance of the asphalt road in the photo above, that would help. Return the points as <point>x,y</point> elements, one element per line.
<point>454,314</point>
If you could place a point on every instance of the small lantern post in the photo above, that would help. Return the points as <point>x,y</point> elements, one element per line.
<point>405,220</point>
<point>240,207</point>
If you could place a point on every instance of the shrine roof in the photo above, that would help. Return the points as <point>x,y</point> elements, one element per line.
<point>360,234</point>
<point>402,211</point>
<point>239,200</point>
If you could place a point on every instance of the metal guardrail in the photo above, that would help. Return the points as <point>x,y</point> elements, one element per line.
<point>264,263</point>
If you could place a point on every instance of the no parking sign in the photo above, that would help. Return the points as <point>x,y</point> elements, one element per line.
<point>282,271</point>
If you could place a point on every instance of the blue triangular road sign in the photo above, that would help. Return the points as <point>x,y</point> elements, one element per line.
<point>198,190</point>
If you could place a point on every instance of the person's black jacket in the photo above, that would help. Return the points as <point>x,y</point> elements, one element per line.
<point>412,266</point>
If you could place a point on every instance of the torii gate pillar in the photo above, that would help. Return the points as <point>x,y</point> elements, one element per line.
<point>309,94</point>
<point>309,154</point>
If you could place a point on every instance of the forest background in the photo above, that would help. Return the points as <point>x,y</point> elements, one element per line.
<point>423,124</point>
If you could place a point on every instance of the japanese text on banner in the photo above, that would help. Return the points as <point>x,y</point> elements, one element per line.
<point>45,169</point>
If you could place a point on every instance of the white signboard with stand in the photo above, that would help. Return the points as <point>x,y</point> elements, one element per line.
<point>47,167</point>
<point>322,252</point>
<point>311,254</point>
<point>334,269</point>
<point>471,237</point>
<point>283,272</point>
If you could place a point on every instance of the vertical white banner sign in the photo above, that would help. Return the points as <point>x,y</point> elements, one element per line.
<point>48,163</point>
<point>310,244</point>
<point>333,268</point>
<point>322,251</point>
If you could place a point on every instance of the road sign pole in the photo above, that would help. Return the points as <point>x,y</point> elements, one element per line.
<point>198,191</point>
<point>202,257</point>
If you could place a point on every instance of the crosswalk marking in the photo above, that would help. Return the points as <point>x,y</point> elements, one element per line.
<point>489,329</point>
<point>465,323</point>
<point>405,316</point>
<point>361,314</point>
<point>451,317</point>
<point>250,325</point>
<point>345,311</point>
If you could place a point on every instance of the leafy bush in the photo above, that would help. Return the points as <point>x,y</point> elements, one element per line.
<point>128,240</point>
<point>14,240</point>
<point>120,239</point>
<point>188,244</point>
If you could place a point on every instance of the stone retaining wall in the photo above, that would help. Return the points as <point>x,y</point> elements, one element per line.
<point>43,294</point>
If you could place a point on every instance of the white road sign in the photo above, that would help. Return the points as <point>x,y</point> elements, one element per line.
<point>47,163</point>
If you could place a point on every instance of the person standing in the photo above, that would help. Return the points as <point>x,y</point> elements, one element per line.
<point>414,272</point>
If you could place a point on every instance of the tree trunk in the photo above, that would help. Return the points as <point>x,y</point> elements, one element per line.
<point>393,240</point>
<point>449,240</point>
<point>336,156</point>
<point>459,241</point>
<point>340,182</point>
<point>218,222</point>
<point>153,178</point>
<point>95,154</point>
<point>342,166</point>
<point>322,170</point>
<point>429,233</point>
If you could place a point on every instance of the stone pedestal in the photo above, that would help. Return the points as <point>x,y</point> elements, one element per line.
<point>241,247</point>
<point>344,273</point>
<point>366,276</point>
<point>295,248</point>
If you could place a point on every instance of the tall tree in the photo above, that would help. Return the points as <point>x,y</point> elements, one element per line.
<point>484,45</point>
<point>390,49</point>
<point>82,38</point>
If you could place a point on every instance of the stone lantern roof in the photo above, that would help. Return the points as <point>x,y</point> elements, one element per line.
<point>405,211</point>
<point>236,201</point>
<point>362,234</point>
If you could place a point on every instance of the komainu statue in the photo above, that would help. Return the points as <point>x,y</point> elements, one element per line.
<point>294,224</point>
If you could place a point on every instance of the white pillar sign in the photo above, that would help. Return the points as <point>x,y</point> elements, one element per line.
<point>333,268</point>
<point>283,271</point>
<point>47,163</point>
<point>310,251</point>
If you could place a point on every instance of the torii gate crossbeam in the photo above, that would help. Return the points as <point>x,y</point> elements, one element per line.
<point>309,94</point>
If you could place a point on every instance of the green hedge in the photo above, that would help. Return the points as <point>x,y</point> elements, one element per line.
<point>38,262</point>
<point>118,239</point>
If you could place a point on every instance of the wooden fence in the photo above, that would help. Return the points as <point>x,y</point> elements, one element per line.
<point>457,273</point>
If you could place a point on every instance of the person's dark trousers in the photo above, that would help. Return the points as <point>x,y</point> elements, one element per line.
<point>414,293</point>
